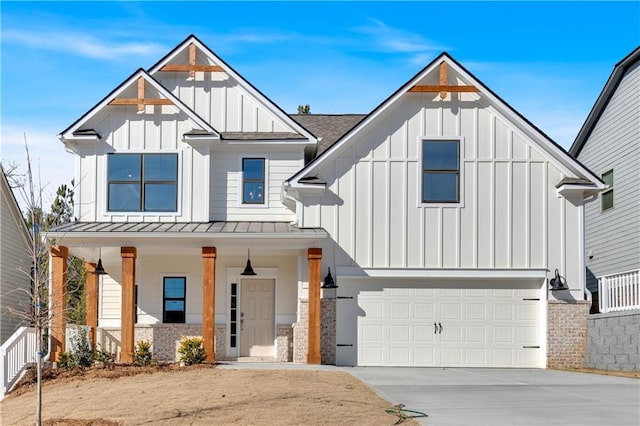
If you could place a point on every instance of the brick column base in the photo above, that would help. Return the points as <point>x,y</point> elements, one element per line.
<point>328,331</point>
<point>567,333</point>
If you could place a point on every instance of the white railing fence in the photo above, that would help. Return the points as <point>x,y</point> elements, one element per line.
<point>619,292</point>
<point>16,354</point>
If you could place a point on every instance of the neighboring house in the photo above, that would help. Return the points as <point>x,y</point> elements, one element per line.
<point>441,216</point>
<point>15,262</point>
<point>609,144</point>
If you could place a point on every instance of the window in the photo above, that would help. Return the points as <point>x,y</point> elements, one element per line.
<point>143,182</point>
<point>440,171</point>
<point>253,180</point>
<point>233,335</point>
<point>173,299</point>
<point>607,194</point>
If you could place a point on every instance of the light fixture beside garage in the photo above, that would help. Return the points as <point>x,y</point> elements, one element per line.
<point>328,281</point>
<point>558,282</point>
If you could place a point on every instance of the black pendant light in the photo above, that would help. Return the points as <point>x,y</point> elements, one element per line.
<point>248,270</point>
<point>99,269</point>
<point>328,281</point>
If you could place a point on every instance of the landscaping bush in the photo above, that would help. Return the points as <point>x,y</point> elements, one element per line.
<point>65,360</point>
<point>142,354</point>
<point>191,351</point>
<point>81,348</point>
<point>105,358</point>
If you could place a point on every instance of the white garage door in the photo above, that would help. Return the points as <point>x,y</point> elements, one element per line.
<point>420,325</point>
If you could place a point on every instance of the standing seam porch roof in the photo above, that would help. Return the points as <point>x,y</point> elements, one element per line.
<point>187,228</point>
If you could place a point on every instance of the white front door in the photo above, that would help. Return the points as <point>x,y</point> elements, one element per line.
<point>257,318</point>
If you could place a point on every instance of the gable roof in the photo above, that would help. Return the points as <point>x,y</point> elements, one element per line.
<point>619,70</point>
<point>550,146</point>
<point>245,84</point>
<point>16,213</point>
<point>74,130</point>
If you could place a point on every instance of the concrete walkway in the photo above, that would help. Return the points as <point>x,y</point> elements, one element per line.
<point>473,396</point>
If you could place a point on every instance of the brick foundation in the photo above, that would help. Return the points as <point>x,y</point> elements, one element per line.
<point>613,341</point>
<point>300,334</point>
<point>165,339</point>
<point>566,333</point>
<point>284,343</point>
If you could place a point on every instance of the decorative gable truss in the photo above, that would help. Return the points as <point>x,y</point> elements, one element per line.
<point>219,94</point>
<point>450,83</point>
<point>138,94</point>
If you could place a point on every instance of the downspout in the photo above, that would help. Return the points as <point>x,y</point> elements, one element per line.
<point>290,202</point>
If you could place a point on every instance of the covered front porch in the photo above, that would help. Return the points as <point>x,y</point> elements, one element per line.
<point>164,282</point>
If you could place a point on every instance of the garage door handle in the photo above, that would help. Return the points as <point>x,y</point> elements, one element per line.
<point>440,331</point>
<point>435,328</point>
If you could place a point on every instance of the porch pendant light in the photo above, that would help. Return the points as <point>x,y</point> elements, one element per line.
<point>248,270</point>
<point>99,268</point>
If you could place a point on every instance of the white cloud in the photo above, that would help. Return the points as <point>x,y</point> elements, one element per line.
<point>51,165</point>
<point>394,40</point>
<point>81,45</point>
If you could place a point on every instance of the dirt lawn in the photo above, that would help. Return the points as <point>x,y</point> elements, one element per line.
<point>203,395</point>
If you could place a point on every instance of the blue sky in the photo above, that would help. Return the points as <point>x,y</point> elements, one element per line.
<point>549,60</point>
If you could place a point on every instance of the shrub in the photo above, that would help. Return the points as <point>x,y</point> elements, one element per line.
<point>142,354</point>
<point>81,348</point>
<point>191,351</point>
<point>106,358</point>
<point>65,360</point>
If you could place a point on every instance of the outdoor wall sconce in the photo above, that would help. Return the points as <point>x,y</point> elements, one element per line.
<point>328,281</point>
<point>558,282</point>
<point>248,270</point>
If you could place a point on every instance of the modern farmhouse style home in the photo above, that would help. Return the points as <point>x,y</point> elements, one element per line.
<point>441,229</point>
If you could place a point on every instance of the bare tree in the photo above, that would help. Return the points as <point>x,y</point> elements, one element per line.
<point>38,310</point>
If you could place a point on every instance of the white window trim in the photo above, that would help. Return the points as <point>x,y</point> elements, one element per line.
<point>609,189</point>
<point>265,194</point>
<point>196,318</point>
<point>460,140</point>
<point>105,185</point>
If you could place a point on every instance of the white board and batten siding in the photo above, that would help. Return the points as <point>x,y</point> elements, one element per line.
<point>510,216</point>
<point>15,263</point>
<point>123,130</point>
<point>613,236</point>
<point>220,100</point>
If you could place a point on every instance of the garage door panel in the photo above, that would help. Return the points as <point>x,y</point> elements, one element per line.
<point>481,327</point>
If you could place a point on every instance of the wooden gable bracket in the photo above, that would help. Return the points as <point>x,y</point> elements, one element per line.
<point>140,100</point>
<point>444,88</point>
<point>192,67</point>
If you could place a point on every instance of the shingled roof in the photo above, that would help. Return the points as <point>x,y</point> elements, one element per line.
<point>327,127</point>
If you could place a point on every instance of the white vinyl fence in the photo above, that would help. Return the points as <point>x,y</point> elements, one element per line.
<point>619,292</point>
<point>16,354</point>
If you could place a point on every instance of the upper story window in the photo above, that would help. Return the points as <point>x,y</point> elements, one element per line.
<point>440,171</point>
<point>143,182</point>
<point>606,197</point>
<point>174,298</point>
<point>253,180</point>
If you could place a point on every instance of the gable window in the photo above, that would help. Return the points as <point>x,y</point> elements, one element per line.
<point>607,195</point>
<point>440,171</point>
<point>142,182</point>
<point>173,299</point>
<point>253,180</point>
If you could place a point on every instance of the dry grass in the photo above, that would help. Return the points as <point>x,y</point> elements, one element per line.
<point>199,395</point>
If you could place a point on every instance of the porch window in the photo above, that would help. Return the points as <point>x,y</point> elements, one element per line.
<point>606,196</point>
<point>440,171</point>
<point>253,180</point>
<point>142,182</point>
<point>173,310</point>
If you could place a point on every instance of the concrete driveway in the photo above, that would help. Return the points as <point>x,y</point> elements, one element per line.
<point>476,396</point>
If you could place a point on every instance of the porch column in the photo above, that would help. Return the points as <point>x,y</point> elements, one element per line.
<point>209,302</point>
<point>314,256</point>
<point>91,302</point>
<point>127,315</point>
<point>58,307</point>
